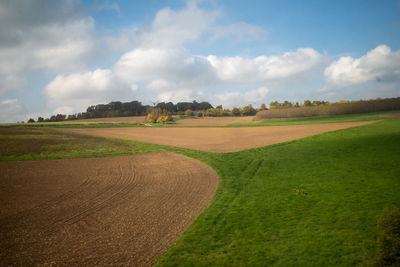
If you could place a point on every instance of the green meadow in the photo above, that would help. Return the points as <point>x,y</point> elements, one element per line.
<point>308,202</point>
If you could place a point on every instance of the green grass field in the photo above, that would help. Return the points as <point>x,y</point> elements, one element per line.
<point>308,202</point>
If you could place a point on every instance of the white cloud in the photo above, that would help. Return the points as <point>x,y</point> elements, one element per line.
<point>156,64</point>
<point>50,36</point>
<point>173,28</point>
<point>159,67</point>
<point>11,110</point>
<point>263,68</point>
<point>75,92</point>
<point>240,31</point>
<point>255,97</point>
<point>379,64</point>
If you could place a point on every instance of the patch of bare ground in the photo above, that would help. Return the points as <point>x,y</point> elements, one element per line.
<point>101,211</point>
<point>219,139</point>
<point>391,115</point>
<point>131,119</point>
<point>212,121</point>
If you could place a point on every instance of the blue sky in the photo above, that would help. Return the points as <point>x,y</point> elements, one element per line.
<point>78,53</point>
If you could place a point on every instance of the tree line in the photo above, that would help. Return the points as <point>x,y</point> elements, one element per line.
<point>136,108</point>
<point>324,108</point>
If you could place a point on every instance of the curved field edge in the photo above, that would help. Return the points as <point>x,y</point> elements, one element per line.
<point>304,202</point>
<point>103,201</point>
<point>307,202</point>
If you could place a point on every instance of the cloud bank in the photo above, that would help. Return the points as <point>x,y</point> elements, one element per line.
<point>154,62</point>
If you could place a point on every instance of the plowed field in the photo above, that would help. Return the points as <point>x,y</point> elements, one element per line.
<point>219,139</point>
<point>101,211</point>
<point>212,121</point>
<point>131,119</point>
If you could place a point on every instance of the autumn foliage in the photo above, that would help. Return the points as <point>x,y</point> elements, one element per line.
<point>320,108</point>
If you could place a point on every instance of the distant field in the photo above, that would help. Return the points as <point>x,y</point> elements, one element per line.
<point>213,121</point>
<point>249,121</point>
<point>131,119</point>
<point>318,119</point>
<point>218,139</point>
<point>312,201</point>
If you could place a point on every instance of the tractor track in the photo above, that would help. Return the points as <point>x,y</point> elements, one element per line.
<point>101,211</point>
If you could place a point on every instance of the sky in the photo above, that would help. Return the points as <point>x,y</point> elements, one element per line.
<point>63,56</point>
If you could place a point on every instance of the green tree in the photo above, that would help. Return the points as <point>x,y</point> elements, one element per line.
<point>235,111</point>
<point>249,110</point>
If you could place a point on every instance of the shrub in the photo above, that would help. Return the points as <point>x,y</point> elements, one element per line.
<point>189,112</point>
<point>388,237</point>
<point>199,113</point>
<point>150,118</point>
<point>158,119</point>
<point>164,118</point>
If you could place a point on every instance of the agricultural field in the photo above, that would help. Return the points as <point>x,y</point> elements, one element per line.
<point>130,119</point>
<point>218,139</point>
<point>311,197</point>
<point>123,210</point>
<point>213,121</point>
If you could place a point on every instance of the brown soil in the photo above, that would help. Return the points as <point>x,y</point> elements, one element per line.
<point>212,121</point>
<point>219,139</point>
<point>101,211</point>
<point>206,121</point>
<point>131,119</point>
<point>391,115</point>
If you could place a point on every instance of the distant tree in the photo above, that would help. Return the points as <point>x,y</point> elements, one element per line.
<point>40,119</point>
<point>220,107</point>
<point>286,104</point>
<point>204,106</point>
<point>71,117</point>
<point>31,120</point>
<point>307,103</point>
<point>249,110</point>
<point>316,103</point>
<point>263,107</point>
<point>235,111</point>
<point>274,104</point>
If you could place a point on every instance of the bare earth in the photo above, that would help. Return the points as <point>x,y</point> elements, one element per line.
<point>219,139</point>
<point>206,121</point>
<point>131,119</point>
<point>212,121</point>
<point>391,115</point>
<point>100,211</point>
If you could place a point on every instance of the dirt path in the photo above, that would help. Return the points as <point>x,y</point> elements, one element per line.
<point>219,139</point>
<point>100,211</point>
